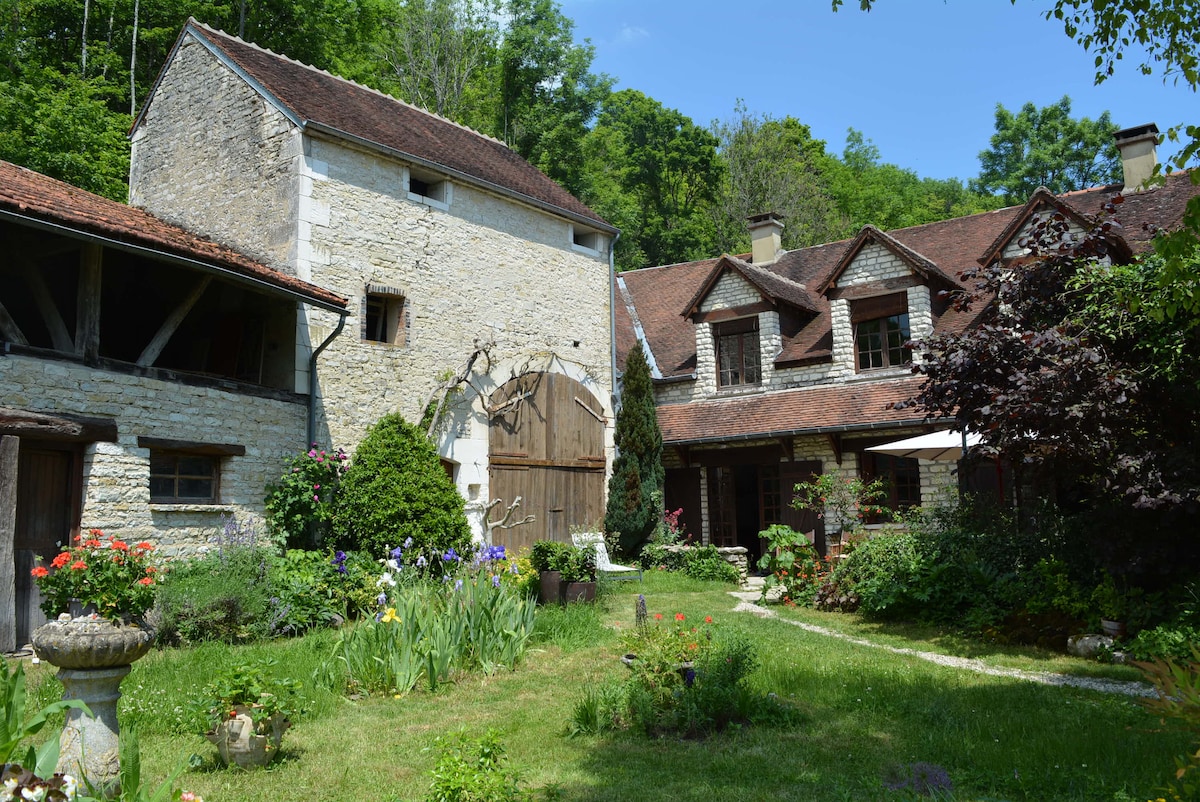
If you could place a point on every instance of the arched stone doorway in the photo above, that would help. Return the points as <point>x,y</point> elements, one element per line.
<point>546,445</point>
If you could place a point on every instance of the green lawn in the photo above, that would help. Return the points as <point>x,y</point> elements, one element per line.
<point>865,711</point>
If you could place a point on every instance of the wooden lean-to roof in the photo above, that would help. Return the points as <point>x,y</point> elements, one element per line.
<point>32,199</point>
<point>323,103</point>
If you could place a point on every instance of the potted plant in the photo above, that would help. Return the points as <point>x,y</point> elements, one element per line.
<point>96,592</point>
<point>579,575</point>
<point>248,712</point>
<point>1111,603</point>
<point>549,558</point>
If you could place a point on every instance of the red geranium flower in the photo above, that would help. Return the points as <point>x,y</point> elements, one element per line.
<point>62,559</point>
<point>39,571</point>
<point>119,545</point>
<point>79,565</point>
<point>146,581</point>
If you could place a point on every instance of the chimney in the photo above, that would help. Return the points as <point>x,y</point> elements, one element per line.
<point>766,237</point>
<point>1138,158</point>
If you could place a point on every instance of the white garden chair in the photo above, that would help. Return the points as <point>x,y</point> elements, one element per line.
<point>604,566</point>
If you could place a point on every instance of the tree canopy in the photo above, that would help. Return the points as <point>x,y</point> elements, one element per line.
<point>1048,148</point>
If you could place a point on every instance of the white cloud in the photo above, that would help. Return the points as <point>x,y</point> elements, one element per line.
<point>630,34</point>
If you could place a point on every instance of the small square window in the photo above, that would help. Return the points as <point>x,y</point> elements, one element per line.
<point>384,318</point>
<point>428,187</point>
<point>586,238</point>
<point>181,478</point>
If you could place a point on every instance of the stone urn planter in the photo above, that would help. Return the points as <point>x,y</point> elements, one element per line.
<point>240,742</point>
<point>93,655</point>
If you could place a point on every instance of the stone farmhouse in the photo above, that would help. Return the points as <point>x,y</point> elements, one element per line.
<point>300,256</point>
<point>444,241</point>
<point>775,366</point>
<point>147,379</point>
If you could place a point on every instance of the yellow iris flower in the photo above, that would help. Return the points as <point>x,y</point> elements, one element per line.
<point>390,615</point>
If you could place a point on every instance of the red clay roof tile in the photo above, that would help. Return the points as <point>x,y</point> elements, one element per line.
<point>41,198</point>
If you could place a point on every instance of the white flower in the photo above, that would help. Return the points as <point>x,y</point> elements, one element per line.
<point>70,786</point>
<point>385,581</point>
<point>393,565</point>
<point>34,794</point>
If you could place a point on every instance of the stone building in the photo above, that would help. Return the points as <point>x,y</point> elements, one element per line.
<point>775,366</point>
<point>147,379</point>
<point>446,244</point>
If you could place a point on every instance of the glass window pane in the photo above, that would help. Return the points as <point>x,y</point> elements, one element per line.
<point>195,488</point>
<point>162,487</point>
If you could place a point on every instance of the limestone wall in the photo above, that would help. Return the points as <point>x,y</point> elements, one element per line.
<point>214,157</point>
<point>116,475</point>
<point>482,269</point>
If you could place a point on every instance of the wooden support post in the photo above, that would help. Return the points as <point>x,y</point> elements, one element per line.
<point>60,338</point>
<point>9,329</point>
<point>87,307</point>
<point>163,335</point>
<point>8,533</point>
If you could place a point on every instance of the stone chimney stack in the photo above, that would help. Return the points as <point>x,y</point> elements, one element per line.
<point>766,237</point>
<point>1138,158</point>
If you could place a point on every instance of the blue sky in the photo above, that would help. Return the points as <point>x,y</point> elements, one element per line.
<point>920,78</point>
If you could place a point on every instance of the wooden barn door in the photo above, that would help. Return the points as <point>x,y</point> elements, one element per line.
<point>547,446</point>
<point>49,493</point>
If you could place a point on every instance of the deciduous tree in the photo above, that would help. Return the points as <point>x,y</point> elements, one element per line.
<point>1049,148</point>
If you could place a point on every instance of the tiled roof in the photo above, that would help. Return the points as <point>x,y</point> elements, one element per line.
<point>34,196</point>
<point>659,293</point>
<point>348,109</point>
<point>771,285</point>
<point>809,410</point>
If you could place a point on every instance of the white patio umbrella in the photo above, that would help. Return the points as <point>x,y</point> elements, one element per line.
<point>942,445</point>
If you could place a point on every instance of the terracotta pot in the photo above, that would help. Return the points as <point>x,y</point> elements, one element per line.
<point>238,743</point>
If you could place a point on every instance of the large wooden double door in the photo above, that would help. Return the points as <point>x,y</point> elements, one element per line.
<point>546,445</point>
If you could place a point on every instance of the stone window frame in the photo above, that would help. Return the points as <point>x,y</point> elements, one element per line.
<point>587,240</point>
<point>883,317</point>
<point>731,331</point>
<point>428,188</point>
<point>189,461</point>
<point>391,324</point>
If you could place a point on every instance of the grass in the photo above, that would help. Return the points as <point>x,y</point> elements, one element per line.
<point>865,711</point>
<point>929,638</point>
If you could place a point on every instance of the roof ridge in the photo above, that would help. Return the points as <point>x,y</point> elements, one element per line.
<point>356,84</point>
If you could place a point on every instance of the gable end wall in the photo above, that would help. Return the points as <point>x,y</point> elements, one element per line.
<point>212,156</point>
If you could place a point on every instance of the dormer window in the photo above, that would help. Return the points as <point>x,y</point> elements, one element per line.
<point>881,332</point>
<point>738,361</point>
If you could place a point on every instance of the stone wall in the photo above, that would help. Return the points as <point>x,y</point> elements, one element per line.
<point>480,269</point>
<point>117,475</point>
<point>213,156</point>
<point>873,262</point>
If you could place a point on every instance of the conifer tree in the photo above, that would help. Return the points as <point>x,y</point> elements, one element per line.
<point>635,489</point>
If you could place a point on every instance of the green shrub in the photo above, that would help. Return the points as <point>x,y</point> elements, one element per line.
<point>685,680</point>
<point>469,770</point>
<point>791,562</point>
<point>223,596</point>
<point>312,589</point>
<point>551,555</point>
<point>300,504</point>
<point>396,489</point>
<point>707,563</point>
<point>887,573</point>
<point>1164,642</point>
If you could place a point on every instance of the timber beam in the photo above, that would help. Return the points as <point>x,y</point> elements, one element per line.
<point>71,428</point>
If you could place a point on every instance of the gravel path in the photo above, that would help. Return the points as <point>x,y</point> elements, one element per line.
<point>746,605</point>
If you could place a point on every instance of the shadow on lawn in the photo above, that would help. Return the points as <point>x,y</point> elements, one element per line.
<point>996,739</point>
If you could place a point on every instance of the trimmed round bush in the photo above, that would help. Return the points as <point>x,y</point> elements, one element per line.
<point>395,489</point>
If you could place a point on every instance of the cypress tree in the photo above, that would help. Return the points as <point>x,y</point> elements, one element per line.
<point>635,488</point>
